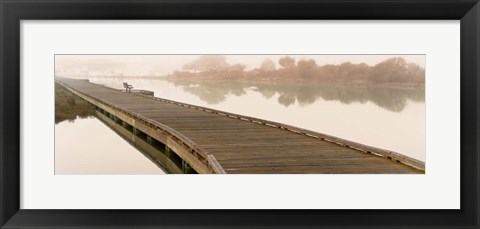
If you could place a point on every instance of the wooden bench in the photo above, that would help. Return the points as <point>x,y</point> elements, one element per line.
<point>128,87</point>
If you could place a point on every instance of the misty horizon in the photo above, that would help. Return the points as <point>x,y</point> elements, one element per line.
<point>164,65</point>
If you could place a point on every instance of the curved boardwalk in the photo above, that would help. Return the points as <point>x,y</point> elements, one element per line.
<point>246,145</point>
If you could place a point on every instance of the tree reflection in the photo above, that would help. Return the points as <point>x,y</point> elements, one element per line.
<point>389,98</point>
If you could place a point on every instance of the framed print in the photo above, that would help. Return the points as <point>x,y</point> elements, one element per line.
<point>275,113</point>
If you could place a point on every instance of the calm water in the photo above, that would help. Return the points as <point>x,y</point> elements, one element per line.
<point>100,151</point>
<point>389,118</point>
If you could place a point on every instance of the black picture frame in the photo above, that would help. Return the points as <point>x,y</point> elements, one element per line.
<point>13,11</point>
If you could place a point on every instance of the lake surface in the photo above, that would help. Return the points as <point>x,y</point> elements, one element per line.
<point>389,118</point>
<point>100,151</point>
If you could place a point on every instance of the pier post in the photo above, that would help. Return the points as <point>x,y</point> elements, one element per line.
<point>149,139</point>
<point>167,151</point>
<point>185,167</point>
<point>124,124</point>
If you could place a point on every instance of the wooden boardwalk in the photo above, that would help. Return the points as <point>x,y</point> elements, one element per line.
<point>212,141</point>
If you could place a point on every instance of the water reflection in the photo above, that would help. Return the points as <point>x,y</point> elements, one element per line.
<point>84,145</point>
<point>391,99</point>
<point>87,146</point>
<point>154,150</point>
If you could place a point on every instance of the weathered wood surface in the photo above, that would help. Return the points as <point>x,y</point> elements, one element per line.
<point>230,143</point>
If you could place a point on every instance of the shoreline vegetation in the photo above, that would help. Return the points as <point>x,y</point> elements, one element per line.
<point>69,106</point>
<point>393,72</point>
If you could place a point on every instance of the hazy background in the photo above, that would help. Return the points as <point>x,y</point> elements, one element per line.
<point>161,65</point>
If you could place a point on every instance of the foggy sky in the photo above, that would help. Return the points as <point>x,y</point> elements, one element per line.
<point>161,65</point>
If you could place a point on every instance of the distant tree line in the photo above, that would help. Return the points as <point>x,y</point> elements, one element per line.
<point>391,71</point>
